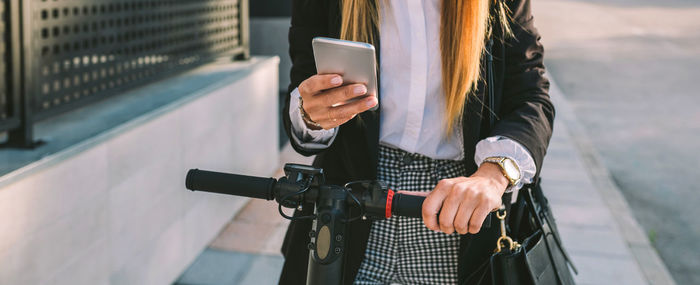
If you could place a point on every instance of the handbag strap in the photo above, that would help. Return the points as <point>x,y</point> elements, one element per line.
<point>544,223</point>
<point>490,87</point>
<point>490,84</point>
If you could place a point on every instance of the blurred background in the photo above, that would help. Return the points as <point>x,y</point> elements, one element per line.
<point>105,104</point>
<point>630,70</point>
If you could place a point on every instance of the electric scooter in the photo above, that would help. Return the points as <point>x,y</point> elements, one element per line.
<point>332,203</point>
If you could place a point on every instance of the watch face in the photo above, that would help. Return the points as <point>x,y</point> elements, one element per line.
<point>511,169</point>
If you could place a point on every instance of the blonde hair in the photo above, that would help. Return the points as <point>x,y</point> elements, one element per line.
<point>463,30</point>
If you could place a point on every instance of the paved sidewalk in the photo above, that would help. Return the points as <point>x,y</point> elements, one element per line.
<point>629,68</point>
<point>606,243</point>
<point>598,229</point>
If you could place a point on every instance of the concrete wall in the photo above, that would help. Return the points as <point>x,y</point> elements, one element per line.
<point>114,210</point>
<point>268,36</point>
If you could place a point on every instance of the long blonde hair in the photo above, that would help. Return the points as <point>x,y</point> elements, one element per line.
<point>463,30</point>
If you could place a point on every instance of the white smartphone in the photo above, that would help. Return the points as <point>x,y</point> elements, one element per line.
<point>354,61</point>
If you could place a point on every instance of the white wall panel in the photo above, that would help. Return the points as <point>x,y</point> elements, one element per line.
<point>115,210</point>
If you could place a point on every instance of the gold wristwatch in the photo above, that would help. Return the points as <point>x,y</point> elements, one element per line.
<point>508,167</point>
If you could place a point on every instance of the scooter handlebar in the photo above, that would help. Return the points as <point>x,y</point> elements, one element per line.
<point>230,184</point>
<point>407,205</point>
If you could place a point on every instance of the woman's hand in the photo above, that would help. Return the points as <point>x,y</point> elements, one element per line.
<point>464,202</point>
<point>325,100</point>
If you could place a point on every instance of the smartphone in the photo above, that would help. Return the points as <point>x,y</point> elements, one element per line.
<point>354,61</point>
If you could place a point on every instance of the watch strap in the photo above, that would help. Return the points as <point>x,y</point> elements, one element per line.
<point>500,161</point>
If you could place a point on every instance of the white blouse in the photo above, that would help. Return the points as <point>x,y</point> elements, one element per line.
<point>412,101</point>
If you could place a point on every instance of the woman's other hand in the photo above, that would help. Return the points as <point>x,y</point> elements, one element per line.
<point>326,101</point>
<point>464,202</point>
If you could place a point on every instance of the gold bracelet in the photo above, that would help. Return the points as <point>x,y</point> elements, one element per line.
<point>305,116</point>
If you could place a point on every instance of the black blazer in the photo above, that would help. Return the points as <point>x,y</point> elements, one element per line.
<point>524,111</point>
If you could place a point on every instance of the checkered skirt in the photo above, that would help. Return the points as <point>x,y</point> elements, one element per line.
<point>402,250</point>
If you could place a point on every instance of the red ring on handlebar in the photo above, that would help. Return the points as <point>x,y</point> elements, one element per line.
<point>389,199</point>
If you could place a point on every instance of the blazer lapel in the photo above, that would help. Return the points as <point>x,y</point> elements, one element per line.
<point>371,118</point>
<point>368,120</point>
<point>471,125</point>
<point>334,19</point>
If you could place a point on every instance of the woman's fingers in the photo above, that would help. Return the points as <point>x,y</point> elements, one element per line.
<point>433,203</point>
<point>332,117</point>
<point>352,108</point>
<point>464,214</point>
<point>478,217</point>
<point>317,83</point>
<point>450,207</point>
<point>462,204</point>
<point>332,124</point>
<point>340,95</point>
<point>327,102</point>
<point>334,97</point>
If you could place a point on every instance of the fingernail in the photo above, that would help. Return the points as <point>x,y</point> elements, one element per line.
<point>336,80</point>
<point>359,90</point>
<point>370,102</point>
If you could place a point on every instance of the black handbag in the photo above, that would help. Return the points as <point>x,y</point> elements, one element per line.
<point>539,257</point>
<point>529,249</point>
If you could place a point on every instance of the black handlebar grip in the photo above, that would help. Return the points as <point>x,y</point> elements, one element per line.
<point>231,184</point>
<point>407,205</point>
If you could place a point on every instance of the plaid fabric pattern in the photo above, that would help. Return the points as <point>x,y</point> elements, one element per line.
<point>402,250</point>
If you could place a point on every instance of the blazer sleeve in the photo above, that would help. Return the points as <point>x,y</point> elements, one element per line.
<point>526,112</point>
<point>309,20</point>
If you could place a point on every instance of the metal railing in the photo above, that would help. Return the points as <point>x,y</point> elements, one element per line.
<point>70,53</point>
<point>9,100</point>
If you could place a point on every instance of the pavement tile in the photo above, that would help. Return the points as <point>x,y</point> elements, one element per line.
<point>605,270</point>
<point>264,269</point>
<point>243,237</point>
<point>273,245</point>
<point>583,216</point>
<point>566,173</point>
<point>603,241</point>
<point>632,230</point>
<point>561,149</point>
<point>216,267</point>
<point>568,193</point>
<point>260,211</point>
<point>258,218</point>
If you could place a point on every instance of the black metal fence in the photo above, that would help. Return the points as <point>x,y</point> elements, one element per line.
<point>9,107</point>
<point>4,100</point>
<point>73,52</point>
